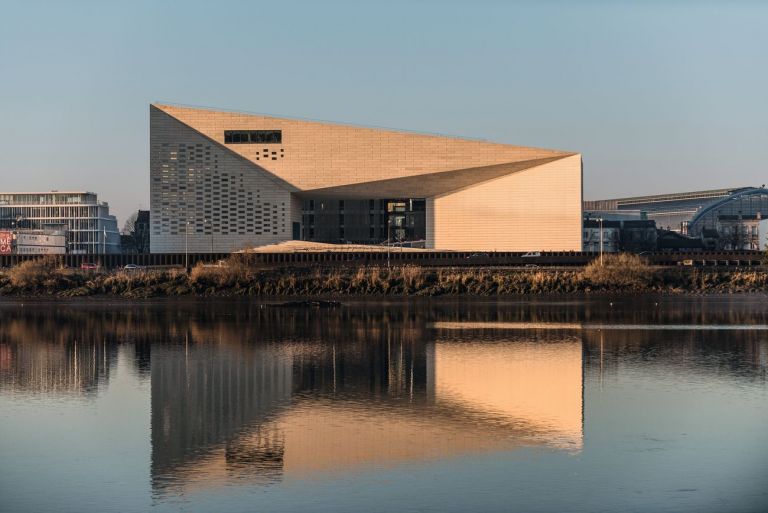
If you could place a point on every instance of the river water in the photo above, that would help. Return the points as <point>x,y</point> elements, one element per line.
<point>623,404</point>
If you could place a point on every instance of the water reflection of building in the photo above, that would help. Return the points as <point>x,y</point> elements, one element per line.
<point>36,359</point>
<point>377,397</point>
<point>258,393</point>
<point>533,385</point>
<point>203,395</point>
<point>681,350</point>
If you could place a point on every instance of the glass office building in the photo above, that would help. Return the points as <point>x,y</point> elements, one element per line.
<point>90,228</point>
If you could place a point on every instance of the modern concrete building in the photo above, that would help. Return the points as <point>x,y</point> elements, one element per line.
<point>89,225</point>
<point>223,181</point>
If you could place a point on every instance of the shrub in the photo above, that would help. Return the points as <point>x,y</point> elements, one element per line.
<point>620,271</point>
<point>33,273</point>
<point>236,269</point>
<point>413,277</point>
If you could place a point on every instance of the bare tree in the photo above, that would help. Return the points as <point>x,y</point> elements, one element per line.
<point>130,224</point>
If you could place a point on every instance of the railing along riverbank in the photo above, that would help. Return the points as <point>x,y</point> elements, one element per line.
<point>394,257</point>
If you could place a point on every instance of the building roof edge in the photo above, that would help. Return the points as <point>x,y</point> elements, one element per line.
<point>160,105</point>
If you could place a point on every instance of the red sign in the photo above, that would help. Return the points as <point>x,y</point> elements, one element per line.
<point>5,243</point>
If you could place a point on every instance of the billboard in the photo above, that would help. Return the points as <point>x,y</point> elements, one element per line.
<point>5,243</point>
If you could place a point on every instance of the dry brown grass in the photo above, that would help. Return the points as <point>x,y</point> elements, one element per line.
<point>238,268</point>
<point>33,273</point>
<point>413,277</point>
<point>620,271</point>
<point>240,276</point>
<point>213,276</point>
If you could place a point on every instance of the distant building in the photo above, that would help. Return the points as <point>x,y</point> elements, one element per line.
<point>732,222</point>
<point>224,181</point>
<point>670,211</point>
<point>615,215</point>
<point>141,232</point>
<point>630,235</point>
<point>136,240</point>
<point>719,219</point>
<point>669,240</point>
<point>89,226</point>
<point>40,242</point>
<point>609,241</point>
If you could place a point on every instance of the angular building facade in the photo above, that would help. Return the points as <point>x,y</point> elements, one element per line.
<point>224,181</point>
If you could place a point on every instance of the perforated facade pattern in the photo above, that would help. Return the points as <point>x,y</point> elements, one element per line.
<point>204,197</point>
<point>224,181</point>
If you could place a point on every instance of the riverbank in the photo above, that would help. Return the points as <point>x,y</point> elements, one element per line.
<point>620,274</point>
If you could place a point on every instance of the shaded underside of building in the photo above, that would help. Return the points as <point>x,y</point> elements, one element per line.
<point>223,181</point>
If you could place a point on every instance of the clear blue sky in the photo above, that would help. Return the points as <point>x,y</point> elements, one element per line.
<point>657,95</point>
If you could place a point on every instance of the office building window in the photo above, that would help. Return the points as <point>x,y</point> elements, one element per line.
<point>253,136</point>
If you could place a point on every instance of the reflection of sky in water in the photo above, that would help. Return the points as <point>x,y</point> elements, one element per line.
<point>448,408</point>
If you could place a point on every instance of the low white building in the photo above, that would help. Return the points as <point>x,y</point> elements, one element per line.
<point>40,242</point>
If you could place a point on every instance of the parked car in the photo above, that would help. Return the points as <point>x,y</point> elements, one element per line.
<point>532,254</point>
<point>131,267</point>
<point>89,266</point>
<point>219,263</point>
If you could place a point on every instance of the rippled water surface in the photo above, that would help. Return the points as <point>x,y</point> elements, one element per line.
<point>580,405</point>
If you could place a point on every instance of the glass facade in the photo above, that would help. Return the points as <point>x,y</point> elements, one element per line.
<point>90,227</point>
<point>732,223</point>
<point>365,221</point>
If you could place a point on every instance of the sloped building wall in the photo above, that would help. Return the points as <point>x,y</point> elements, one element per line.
<point>537,209</point>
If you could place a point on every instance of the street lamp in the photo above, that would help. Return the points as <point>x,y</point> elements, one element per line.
<point>389,224</point>
<point>186,246</point>
<point>210,225</point>
<point>600,220</point>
